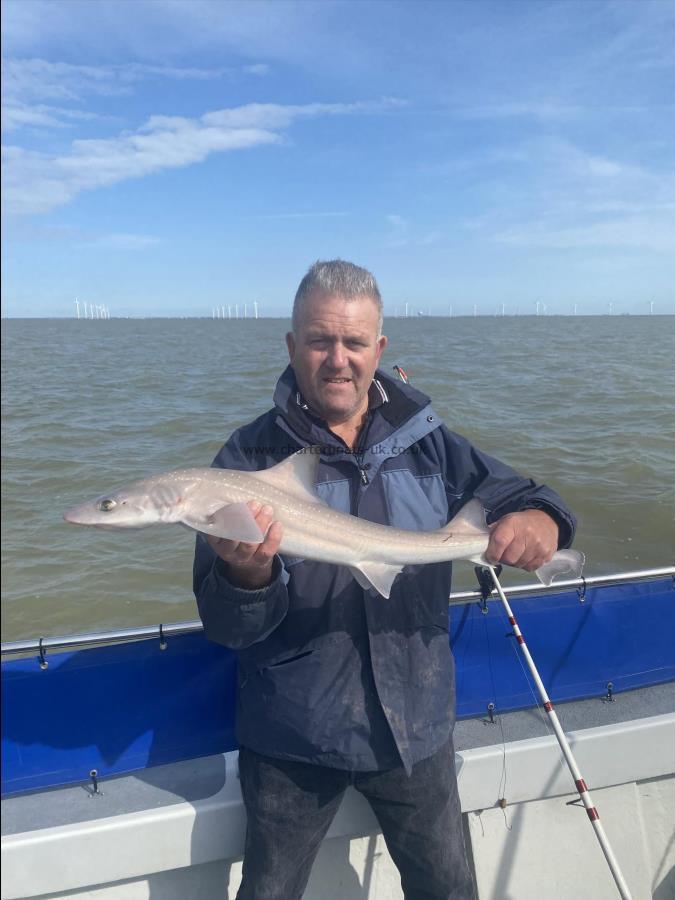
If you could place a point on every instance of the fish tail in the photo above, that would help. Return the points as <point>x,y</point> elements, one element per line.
<point>564,562</point>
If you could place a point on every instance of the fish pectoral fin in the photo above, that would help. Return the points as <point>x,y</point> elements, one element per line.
<point>376,575</point>
<point>564,562</point>
<point>360,578</point>
<point>234,522</point>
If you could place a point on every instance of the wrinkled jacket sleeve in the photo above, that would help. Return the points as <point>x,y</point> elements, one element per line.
<point>470,472</point>
<point>231,615</point>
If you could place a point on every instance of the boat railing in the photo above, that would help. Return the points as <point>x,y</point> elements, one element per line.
<point>162,631</point>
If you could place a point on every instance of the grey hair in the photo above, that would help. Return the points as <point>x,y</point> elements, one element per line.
<point>336,276</point>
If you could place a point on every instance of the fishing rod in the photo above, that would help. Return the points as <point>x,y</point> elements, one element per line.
<point>579,782</point>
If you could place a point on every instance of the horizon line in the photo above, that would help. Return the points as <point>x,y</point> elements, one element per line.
<point>416,318</point>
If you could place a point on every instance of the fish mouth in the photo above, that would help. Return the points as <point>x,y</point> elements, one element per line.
<point>72,517</point>
<point>78,516</point>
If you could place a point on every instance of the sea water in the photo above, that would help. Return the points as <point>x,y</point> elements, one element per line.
<point>586,405</point>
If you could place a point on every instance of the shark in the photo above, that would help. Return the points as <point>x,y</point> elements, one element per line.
<point>215,501</point>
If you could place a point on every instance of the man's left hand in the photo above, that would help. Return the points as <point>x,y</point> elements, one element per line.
<point>526,539</point>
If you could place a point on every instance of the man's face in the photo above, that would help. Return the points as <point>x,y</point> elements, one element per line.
<point>334,353</point>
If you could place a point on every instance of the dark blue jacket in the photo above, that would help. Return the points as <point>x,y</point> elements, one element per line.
<point>329,673</point>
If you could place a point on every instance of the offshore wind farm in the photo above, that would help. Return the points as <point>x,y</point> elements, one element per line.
<point>408,310</point>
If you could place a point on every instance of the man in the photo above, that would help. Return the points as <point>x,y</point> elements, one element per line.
<point>338,686</point>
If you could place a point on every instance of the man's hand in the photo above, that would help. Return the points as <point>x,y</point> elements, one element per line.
<point>526,539</point>
<point>250,565</point>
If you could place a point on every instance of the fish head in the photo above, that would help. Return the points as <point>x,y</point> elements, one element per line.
<point>129,507</point>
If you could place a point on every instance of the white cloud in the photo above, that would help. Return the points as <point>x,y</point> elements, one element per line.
<point>573,162</point>
<point>556,194</point>
<point>37,182</point>
<point>169,29</point>
<point>30,184</point>
<point>398,230</point>
<point>273,115</point>
<point>20,115</point>
<point>260,69</point>
<point>578,199</point>
<point>402,233</point>
<point>28,80</point>
<point>299,215</point>
<point>28,83</point>
<point>32,231</point>
<point>543,111</point>
<point>628,233</point>
<point>125,241</point>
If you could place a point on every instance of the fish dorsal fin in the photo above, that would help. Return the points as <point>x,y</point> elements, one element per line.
<point>377,575</point>
<point>469,520</point>
<point>295,475</point>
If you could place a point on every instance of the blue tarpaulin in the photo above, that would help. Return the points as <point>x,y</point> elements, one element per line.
<point>129,706</point>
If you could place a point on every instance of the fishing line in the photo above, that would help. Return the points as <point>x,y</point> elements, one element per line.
<point>579,783</point>
<point>501,788</point>
<point>528,680</point>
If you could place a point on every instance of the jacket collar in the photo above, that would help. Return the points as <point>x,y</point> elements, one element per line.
<point>392,402</point>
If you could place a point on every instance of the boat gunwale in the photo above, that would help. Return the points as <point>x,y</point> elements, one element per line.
<point>173,629</point>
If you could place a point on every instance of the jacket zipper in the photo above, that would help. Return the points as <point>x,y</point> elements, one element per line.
<point>360,453</point>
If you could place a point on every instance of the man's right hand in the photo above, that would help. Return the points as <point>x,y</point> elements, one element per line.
<point>250,565</point>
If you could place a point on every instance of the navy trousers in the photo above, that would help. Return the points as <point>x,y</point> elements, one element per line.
<point>290,806</point>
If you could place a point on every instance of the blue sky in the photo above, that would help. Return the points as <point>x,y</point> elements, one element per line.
<point>166,157</point>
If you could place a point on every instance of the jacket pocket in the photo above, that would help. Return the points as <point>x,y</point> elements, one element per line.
<point>290,659</point>
<point>308,677</point>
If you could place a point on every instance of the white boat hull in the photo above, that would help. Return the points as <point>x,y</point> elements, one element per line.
<point>540,845</point>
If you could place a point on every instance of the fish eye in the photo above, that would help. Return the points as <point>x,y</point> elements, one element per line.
<point>107,505</point>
